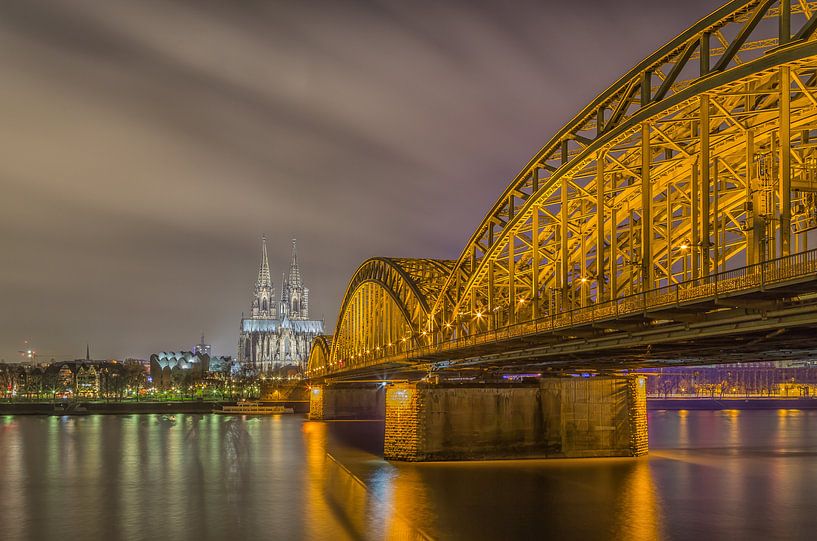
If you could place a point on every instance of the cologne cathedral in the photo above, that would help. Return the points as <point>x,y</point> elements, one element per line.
<point>278,334</point>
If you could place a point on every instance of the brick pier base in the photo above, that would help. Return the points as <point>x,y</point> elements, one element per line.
<point>347,401</point>
<point>556,417</point>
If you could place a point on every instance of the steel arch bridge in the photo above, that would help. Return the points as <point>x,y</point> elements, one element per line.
<point>676,205</point>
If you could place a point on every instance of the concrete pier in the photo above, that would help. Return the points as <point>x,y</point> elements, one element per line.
<point>554,418</point>
<point>360,401</point>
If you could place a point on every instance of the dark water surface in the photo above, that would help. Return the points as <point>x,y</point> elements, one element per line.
<point>709,475</point>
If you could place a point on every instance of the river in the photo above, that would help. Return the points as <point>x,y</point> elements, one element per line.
<point>709,475</point>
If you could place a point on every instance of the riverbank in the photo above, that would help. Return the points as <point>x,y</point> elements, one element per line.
<point>121,408</point>
<point>754,403</point>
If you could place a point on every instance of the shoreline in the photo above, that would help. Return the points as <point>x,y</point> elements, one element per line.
<point>202,407</point>
<point>715,404</point>
<point>125,408</point>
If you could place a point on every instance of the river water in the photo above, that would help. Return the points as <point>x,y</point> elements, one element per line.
<point>710,475</point>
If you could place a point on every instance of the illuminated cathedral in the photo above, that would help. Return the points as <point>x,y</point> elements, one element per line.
<point>277,334</point>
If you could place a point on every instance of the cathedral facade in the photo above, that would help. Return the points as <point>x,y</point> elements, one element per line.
<point>277,334</point>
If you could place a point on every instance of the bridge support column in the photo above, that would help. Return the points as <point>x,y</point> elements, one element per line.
<point>346,401</point>
<point>554,418</point>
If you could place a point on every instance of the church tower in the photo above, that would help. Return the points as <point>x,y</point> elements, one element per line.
<point>294,296</point>
<point>263,305</point>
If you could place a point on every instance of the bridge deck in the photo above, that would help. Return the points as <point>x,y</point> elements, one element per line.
<point>732,316</point>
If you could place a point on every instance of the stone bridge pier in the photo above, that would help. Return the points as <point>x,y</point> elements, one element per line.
<point>557,417</point>
<point>553,418</point>
<point>342,401</point>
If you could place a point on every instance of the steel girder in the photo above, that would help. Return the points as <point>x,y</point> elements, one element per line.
<point>698,161</point>
<point>384,310</point>
<point>320,353</point>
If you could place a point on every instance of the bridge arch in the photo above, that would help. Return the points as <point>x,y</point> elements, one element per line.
<point>320,352</point>
<point>385,310</point>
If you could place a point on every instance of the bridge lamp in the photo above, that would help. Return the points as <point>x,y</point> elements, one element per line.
<point>684,246</point>
<point>423,333</point>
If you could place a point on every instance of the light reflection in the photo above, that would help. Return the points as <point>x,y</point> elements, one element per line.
<point>239,480</point>
<point>683,428</point>
<point>640,515</point>
<point>315,503</point>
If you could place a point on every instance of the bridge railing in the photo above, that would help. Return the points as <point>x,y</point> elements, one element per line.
<point>755,277</point>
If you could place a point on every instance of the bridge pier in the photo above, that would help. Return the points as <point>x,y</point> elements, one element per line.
<point>554,418</point>
<point>347,401</point>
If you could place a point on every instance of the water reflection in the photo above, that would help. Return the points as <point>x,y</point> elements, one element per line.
<point>740,475</point>
<point>640,515</point>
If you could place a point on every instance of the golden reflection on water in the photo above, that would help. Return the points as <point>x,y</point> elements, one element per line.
<point>315,502</point>
<point>639,513</point>
<point>363,512</point>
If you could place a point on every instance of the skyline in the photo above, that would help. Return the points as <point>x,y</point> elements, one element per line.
<point>150,146</point>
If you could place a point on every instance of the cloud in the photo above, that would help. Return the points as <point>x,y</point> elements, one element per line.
<point>148,145</point>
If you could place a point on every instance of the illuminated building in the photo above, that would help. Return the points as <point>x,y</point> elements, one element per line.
<point>166,364</point>
<point>278,334</point>
<point>87,381</point>
<point>202,347</point>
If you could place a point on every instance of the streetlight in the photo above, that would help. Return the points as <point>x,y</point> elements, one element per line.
<point>685,245</point>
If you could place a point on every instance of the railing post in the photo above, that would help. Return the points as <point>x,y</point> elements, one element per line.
<point>762,275</point>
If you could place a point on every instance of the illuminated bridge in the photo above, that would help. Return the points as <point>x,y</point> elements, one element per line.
<point>668,222</point>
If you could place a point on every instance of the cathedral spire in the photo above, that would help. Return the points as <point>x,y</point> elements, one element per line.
<point>263,273</point>
<point>87,352</point>
<point>294,278</point>
<point>264,303</point>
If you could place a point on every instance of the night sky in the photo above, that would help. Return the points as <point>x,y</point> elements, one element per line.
<point>146,146</point>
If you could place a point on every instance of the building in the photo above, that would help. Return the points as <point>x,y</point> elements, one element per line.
<point>169,367</point>
<point>202,347</point>
<point>278,334</point>
<point>87,380</point>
